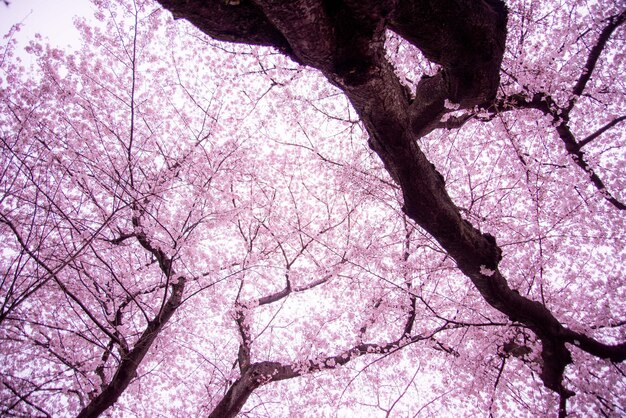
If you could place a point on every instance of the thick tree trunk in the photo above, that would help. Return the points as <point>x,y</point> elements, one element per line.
<point>345,41</point>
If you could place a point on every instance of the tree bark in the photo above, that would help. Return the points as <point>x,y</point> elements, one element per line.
<point>345,41</point>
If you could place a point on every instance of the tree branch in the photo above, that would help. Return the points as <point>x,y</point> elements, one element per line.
<point>545,104</point>
<point>600,131</point>
<point>592,59</point>
<point>262,373</point>
<point>127,368</point>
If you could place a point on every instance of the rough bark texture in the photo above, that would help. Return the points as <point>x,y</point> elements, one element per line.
<point>345,41</point>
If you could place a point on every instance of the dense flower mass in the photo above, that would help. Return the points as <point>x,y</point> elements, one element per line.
<point>245,207</point>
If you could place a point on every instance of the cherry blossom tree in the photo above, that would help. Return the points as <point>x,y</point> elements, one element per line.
<point>372,208</point>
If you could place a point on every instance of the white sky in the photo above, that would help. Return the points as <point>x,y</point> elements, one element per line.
<point>50,18</point>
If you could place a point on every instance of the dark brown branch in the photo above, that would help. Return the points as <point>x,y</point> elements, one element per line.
<point>240,390</point>
<point>22,398</point>
<point>127,368</point>
<point>600,131</point>
<point>412,314</point>
<point>53,274</point>
<point>288,289</point>
<point>262,373</point>
<point>593,57</point>
<point>118,240</point>
<point>243,354</point>
<point>242,23</point>
<point>615,353</point>
<point>547,106</point>
<point>453,122</point>
<point>573,149</point>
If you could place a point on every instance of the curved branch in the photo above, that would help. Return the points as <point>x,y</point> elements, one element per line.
<point>262,373</point>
